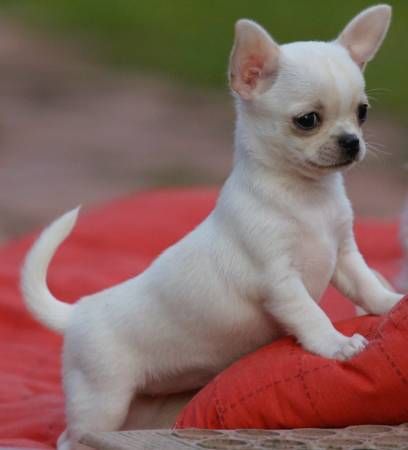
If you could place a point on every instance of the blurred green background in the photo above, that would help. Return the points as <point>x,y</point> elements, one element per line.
<point>101,98</point>
<point>189,40</point>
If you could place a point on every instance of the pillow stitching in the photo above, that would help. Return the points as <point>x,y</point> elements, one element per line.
<point>392,364</point>
<point>219,409</point>
<point>271,384</point>
<point>401,319</point>
<point>395,368</point>
<point>261,388</point>
<point>372,330</point>
<point>307,391</point>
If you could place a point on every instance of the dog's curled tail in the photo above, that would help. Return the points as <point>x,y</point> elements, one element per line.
<point>40,302</point>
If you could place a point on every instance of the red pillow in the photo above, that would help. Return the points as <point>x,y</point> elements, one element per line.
<point>109,245</point>
<point>283,386</point>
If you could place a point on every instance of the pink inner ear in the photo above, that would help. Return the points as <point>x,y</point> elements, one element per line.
<point>251,70</point>
<point>355,57</point>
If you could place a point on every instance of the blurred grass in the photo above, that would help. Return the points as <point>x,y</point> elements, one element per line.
<point>190,40</point>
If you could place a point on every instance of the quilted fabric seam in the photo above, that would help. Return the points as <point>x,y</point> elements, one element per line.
<point>401,319</point>
<point>393,364</point>
<point>218,406</point>
<point>268,386</point>
<point>306,390</point>
<point>395,368</point>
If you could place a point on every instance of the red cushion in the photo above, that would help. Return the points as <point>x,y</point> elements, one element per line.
<point>283,386</point>
<point>109,245</point>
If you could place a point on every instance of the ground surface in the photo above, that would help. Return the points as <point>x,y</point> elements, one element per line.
<point>71,132</point>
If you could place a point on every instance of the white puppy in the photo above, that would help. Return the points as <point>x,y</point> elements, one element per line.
<point>256,268</point>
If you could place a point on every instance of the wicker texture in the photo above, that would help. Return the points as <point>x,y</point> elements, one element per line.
<point>364,437</point>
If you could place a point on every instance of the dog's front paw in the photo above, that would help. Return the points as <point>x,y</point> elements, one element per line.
<point>337,346</point>
<point>351,347</point>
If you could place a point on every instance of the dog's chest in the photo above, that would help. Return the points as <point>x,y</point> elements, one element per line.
<point>315,257</point>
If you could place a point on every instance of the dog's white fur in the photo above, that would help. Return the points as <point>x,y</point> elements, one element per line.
<point>256,268</point>
<point>402,281</point>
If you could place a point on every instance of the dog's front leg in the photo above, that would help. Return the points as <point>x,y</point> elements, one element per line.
<point>358,282</point>
<point>290,304</point>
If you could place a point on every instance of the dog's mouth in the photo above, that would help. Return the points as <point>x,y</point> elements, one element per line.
<point>331,166</point>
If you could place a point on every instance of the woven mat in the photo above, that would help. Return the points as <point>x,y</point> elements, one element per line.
<point>352,438</point>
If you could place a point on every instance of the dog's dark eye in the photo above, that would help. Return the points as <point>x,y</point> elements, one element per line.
<point>308,121</point>
<point>362,113</point>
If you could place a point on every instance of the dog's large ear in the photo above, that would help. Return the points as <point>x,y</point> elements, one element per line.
<point>254,60</point>
<point>364,35</point>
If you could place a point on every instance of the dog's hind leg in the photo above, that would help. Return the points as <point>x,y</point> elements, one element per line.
<point>98,403</point>
<point>63,441</point>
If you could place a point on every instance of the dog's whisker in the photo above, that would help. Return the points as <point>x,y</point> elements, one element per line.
<point>376,149</point>
<point>371,133</point>
<point>372,99</point>
<point>385,90</point>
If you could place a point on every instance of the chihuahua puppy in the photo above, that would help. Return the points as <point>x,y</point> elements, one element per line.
<point>256,268</point>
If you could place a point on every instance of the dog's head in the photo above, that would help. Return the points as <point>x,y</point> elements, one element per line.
<point>304,103</point>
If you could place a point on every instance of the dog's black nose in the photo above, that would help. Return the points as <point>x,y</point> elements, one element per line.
<point>350,143</point>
